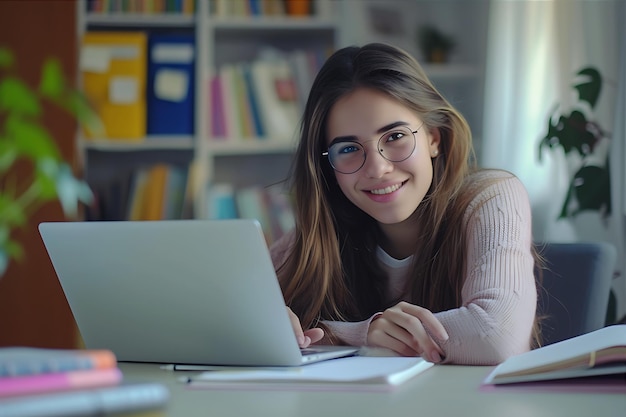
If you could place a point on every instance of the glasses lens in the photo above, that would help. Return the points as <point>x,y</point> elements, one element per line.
<point>346,157</point>
<point>397,145</point>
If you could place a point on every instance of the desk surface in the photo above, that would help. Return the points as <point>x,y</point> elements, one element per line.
<point>443,390</point>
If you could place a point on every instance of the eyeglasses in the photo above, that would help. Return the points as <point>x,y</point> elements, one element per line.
<point>395,145</point>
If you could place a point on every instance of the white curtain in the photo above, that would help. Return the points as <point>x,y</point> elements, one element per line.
<point>618,171</point>
<point>535,48</point>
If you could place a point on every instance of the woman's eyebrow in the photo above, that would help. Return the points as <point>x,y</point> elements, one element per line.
<point>353,138</point>
<point>390,126</point>
<point>339,139</point>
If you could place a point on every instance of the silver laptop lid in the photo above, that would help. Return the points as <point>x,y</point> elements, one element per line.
<point>182,291</point>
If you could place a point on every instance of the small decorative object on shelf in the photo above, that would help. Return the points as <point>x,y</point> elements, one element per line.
<point>435,45</point>
<point>298,7</point>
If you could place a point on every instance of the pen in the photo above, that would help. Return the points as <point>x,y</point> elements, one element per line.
<point>183,367</point>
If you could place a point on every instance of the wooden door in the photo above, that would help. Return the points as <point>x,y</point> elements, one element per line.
<point>33,309</point>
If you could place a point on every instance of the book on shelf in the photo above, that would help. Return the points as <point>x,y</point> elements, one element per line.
<point>355,373</point>
<point>271,206</point>
<point>133,399</point>
<point>141,6</point>
<point>114,70</point>
<point>229,107</point>
<point>157,192</point>
<point>217,114</point>
<point>230,8</point>
<point>277,94</point>
<point>221,202</point>
<point>262,98</point>
<point>600,353</point>
<point>171,84</point>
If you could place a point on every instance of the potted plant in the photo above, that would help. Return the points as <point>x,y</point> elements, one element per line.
<point>576,133</point>
<point>579,137</point>
<point>24,139</point>
<point>435,45</point>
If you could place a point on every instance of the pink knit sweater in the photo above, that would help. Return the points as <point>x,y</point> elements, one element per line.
<point>499,294</point>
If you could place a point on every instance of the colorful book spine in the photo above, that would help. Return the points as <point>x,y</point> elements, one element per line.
<point>63,381</point>
<point>22,361</point>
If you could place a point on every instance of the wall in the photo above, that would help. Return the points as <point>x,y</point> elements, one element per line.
<point>33,310</point>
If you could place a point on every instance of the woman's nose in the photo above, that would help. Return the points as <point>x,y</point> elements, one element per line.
<point>375,164</point>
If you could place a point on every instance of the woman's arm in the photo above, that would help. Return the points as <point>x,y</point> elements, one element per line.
<point>499,295</point>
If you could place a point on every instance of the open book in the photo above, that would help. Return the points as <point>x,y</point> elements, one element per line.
<point>598,353</point>
<point>351,373</point>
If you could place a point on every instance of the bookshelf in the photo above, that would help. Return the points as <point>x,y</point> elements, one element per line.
<point>228,39</point>
<point>224,36</point>
<point>462,78</point>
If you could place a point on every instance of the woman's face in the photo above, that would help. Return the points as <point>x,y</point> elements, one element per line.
<point>388,191</point>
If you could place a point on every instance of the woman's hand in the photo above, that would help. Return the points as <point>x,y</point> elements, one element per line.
<point>306,337</point>
<point>402,328</point>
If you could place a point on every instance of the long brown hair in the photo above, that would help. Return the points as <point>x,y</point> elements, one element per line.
<point>331,271</point>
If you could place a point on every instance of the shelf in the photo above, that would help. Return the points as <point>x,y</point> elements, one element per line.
<point>140,19</point>
<point>269,23</point>
<point>148,144</point>
<point>252,147</point>
<point>451,71</point>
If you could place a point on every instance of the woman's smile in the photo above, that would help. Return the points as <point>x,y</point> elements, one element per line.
<point>387,190</point>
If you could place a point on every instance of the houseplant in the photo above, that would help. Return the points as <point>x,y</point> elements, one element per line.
<point>579,137</point>
<point>24,139</point>
<point>435,45</point>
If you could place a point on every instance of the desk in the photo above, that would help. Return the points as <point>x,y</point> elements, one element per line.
<point>442,390</point>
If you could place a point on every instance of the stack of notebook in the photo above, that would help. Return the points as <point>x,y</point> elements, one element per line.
<point>49,382</point>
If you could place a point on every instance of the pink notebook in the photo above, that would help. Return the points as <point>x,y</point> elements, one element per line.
<point>63,381</point>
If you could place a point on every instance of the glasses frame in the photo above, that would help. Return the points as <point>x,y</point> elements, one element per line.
<point>378,149</point>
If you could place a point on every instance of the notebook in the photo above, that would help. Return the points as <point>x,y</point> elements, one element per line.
<point>198,292</point>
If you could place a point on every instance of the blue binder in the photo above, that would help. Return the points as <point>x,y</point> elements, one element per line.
<point>171,84</point>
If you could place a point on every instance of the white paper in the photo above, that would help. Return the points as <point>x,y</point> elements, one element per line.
<point>171,85</point>
<point>358,369</point>
<point>172,53</point>
<point>123,90</point>
<point>95,59</point>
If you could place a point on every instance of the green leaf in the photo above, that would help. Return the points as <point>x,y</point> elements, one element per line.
<point>16,96</point>
<point>30,139</point>
<point>565,210</point>
<point>11,212</point>
<point>52,83</point>
<point>4,261</point>
<point>572,133</point>
<point>589,90</point>
<point>78,106</point>
<point>71,192</point>
<point>8,154</point>
<point>6,61</point>
<point>57,181</point>
<point>575,135</point>
<point>46,177</point>
<point>592,186</point>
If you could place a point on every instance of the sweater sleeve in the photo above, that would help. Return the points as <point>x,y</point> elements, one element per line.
<point>499,294</point>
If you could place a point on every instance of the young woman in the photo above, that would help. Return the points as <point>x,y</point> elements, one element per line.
<point>398,243</point>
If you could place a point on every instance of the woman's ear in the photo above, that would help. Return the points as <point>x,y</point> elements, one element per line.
<point>434,139</point>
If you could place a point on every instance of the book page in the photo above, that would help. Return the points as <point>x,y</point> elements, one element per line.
<point>383,370</point>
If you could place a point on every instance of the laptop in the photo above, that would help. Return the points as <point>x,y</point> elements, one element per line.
<point>195,292</point>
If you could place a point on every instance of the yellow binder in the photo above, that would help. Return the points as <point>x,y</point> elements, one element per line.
<point>113,67</point>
